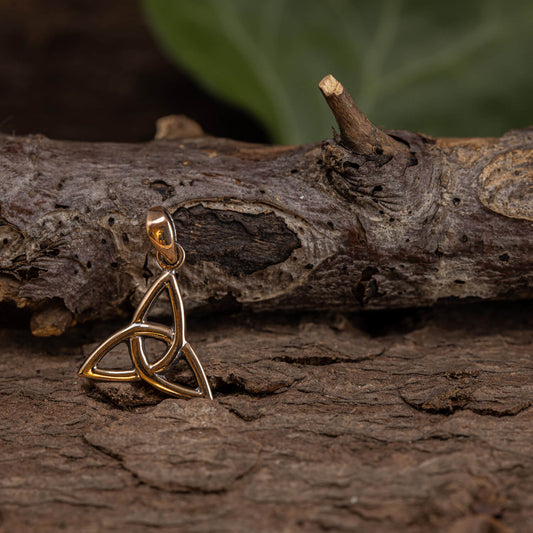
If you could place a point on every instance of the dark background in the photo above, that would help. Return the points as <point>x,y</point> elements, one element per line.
<point>90,70</point>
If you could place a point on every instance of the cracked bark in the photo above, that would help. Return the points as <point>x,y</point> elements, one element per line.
<point>367,220</point>
<point>316,425</point>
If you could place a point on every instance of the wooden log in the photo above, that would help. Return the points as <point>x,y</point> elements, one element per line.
<point>367,220</point>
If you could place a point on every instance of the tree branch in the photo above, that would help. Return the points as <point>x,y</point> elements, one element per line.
<point>335,225</point>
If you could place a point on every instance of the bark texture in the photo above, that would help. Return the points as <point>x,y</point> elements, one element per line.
<point>367,220</point>
<point>316,425</point>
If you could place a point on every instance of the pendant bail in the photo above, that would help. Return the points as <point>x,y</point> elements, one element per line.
<point>162,234</point>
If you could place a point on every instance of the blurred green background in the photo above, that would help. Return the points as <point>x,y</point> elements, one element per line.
<point>455,68</point>
<point>248,69</point>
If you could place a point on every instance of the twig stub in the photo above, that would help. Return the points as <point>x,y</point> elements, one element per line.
<point>357,132</point>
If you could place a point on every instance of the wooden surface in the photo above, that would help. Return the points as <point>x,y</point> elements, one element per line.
<point>378,422</point>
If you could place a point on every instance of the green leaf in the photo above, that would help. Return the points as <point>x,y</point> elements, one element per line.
<point>444,68</point>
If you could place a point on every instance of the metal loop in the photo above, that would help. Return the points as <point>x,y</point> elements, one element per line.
<point>176,264</point>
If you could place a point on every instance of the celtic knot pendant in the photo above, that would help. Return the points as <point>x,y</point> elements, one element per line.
<point>170,256</point>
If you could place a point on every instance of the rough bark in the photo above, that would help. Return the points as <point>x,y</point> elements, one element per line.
<point>315,426</point>
<point>367,220</point>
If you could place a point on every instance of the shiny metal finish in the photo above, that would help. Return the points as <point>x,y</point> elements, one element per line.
<point>162,233</point>
<point>171,256</point>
